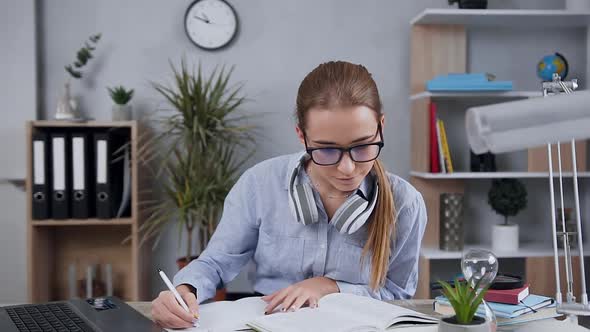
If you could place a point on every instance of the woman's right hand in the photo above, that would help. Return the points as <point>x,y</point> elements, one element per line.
<point>168,313</point>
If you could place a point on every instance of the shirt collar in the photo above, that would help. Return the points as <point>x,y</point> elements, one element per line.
<point>366,187</point>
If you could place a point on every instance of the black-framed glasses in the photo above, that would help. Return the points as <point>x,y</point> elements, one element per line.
<point>360,153</point>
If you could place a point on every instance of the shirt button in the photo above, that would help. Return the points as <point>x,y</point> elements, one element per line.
<point>322,246</point>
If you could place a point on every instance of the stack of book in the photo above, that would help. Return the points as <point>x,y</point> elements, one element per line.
<point>440,155</point>
<point>511,306</point>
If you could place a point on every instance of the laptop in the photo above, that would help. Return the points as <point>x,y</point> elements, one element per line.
<point>87,315</point>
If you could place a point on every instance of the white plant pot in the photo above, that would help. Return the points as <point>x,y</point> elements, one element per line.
<point>445,326</point>
<point>121,112</point>
<point>505,237</point>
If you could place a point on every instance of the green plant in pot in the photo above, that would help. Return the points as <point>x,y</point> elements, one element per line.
<point>67,107</point>
<point>121,98</point>
<point>465,301</point>
<point>200,150</point>
<point>507,197</point>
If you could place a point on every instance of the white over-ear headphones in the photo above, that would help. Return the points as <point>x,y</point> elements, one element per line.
<point>348,218</point>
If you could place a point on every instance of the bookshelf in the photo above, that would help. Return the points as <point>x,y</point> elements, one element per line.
<point>440,44</point>
<point>493,175</point>
<point>52,245</point>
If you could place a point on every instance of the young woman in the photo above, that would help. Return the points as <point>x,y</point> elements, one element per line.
<point>328,220</point>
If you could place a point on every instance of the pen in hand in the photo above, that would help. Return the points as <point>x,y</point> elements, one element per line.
<point>177,295</point>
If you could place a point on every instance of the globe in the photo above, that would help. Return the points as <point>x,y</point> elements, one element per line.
<point>550,64</point>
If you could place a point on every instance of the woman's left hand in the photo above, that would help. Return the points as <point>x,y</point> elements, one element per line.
<point>308,292</point>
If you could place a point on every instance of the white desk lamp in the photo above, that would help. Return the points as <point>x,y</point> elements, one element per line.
<point>563,115</point>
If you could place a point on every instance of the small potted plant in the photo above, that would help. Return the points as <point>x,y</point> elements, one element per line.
<point>121,97</point>
<point>465,301</point>
<point>507,197</point>
<point>66,106</point>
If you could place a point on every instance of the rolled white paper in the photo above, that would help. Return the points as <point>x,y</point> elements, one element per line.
<point>72,280</point>
<point>108,278</point>
<point>89,277</point>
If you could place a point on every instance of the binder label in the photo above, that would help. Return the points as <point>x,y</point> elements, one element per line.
<point>39,162</point>
<point>59,163</point>
<point>79,164</point>
<point>101,161</point>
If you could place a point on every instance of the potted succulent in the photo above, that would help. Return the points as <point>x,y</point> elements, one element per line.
<point>66,106</point>
<point>121,97</point>
<point>465,301</point>
<point>506,197</point>
<point>201,150</point>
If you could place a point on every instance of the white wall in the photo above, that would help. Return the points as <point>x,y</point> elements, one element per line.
<point>19,103</point>
<point>279,42</point>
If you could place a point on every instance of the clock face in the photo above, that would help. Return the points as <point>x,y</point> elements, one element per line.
<point>210,24</point>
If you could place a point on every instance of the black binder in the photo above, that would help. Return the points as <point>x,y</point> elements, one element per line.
<point>109,172</point>
<point>40,176</point>
<point>81,172</point>
<point>103,197</point>
<point>60,200</point>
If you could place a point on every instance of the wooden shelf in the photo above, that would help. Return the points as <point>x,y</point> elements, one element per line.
<point>493,175</point>
<point>439,45</point>
<point>525,250</point>
<point>106,124</point>
<point>85,222</point>
<point>503,18</point>
<point>56,245</point>
<point>476,95</point>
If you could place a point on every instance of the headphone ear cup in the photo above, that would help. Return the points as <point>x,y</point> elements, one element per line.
<point>305,203</point>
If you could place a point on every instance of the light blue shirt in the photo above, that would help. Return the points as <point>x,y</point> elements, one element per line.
<point>257,223</point>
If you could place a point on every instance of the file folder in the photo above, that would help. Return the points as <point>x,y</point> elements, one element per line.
<point>80,173</point>
<point>40,176</point>
<point>109,175</point>
<point>60,202</point>
<point>102,183</point>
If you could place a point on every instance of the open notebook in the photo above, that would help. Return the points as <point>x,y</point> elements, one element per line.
<point>228,315</point>
<point>335,312</point>
<point>342,312</point>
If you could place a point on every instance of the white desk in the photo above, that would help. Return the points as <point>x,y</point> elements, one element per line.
<point>547,325</point>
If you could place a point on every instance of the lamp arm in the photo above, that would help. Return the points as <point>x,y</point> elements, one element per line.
<point>558,298</point>
<point>578,224</point>
<point>566,244</point>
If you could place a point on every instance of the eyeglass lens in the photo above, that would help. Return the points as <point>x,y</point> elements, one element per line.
<point>329,156</point>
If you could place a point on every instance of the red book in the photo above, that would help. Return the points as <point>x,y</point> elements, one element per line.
<point>509,296</point>
<point>434,161</point>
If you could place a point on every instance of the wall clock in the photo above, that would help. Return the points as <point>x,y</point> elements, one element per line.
<point>211,24</point>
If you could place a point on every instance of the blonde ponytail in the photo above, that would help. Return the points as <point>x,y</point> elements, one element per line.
<point>381,229</point>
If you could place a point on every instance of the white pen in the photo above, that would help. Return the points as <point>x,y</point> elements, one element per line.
<point>176,294</point>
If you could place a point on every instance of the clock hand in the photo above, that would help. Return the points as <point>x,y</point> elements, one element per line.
<point>206,20</point>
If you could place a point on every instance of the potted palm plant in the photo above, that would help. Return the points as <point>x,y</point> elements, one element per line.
<point>200,151</point>
<point>465,301</point>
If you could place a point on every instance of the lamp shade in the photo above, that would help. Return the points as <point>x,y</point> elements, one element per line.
<point>528,123</point>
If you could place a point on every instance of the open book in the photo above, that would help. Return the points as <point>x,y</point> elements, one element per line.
<point>342,312</point>
<point>335,312</point>
<point>228,315</point>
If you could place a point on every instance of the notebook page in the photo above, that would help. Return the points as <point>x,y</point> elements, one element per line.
<point>373,312</point>
<point>310,320</point>
<point>228,315</point>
